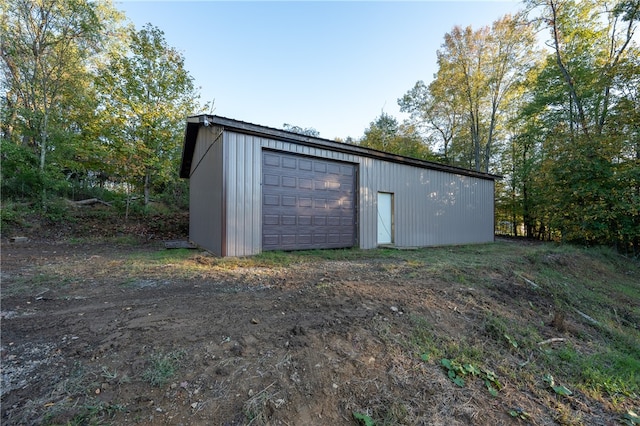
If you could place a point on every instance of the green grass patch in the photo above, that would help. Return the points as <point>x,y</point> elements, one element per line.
<point>422,340</point>
<point>162,366</point>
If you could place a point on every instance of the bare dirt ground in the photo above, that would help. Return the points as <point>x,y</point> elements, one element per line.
<point>305,344</point>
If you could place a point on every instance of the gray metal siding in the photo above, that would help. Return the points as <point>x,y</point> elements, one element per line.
<point>431,207</point>
<point>243,170</point>
<point>206,191</point>
<point>243,165</point>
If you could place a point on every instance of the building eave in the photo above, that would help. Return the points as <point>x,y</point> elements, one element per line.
<point>194,124</point>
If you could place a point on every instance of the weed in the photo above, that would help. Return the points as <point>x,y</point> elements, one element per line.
<point>95,412</point>
<point>387,415</point>
<point>162,367</point>
<point>519,413</point>
<point>558,389</point>
<point>363,419</point>
<point>630,418</point>
<point>108,374</point>
<point>421,340</point>
<point>456,372</point>
<point>257,408</point>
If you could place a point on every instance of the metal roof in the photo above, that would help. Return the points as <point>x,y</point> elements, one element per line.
<point>194,123</point>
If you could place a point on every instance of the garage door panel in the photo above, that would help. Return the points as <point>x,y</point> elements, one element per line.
<point>288,182</point>
<point>289,219</point>
<point>288,163</point>
<point>333,238</point>
<point>333,169</point>
<point>305,183</point>
<point>333,221</point>
<point>271,180</point>
<point>320,220</point>
<point>304,220</point>
<point>320,166</point>
<point>305,164</point>
<point>289,201</point>
<point>271,219</point>
<point>271,200</point>
<point>271,159</point>
<point>307,202</point>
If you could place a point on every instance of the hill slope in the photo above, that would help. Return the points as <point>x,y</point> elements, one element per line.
<point>503,333</point>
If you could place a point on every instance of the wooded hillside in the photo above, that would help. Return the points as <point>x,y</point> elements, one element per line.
<point>549,98</point>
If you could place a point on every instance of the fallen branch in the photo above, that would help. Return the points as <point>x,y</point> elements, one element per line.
<point>552,340</point>
<point>587,317</point>
<point>89,202</point>
<point>528,281</point>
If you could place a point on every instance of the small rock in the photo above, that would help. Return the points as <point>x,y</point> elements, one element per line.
<point>254,321</point>
<point>394,309</point>
<point>194,405</point>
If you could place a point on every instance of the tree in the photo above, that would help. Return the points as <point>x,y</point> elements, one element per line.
<point>435,111</point>
<point>478,72</point>
<point>49,49</point>
<point>146,96</point>
<point>589,155</point>
<point>308,131</point>
<point>385,134</point>
<point>588,53</point>
<point>45,47</point>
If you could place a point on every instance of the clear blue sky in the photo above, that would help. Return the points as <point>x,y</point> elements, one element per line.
<point>334,66</point>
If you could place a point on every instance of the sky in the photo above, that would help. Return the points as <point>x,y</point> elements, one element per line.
<point>334,66</point>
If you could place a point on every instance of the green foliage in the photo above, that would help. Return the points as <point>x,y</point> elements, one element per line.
<point>20,177</point>
<point>64,132</point>
<point>363,419</point>
<point>465,108</point>
<point>519,413</point>
<point>573,165</point>
<point>146,92</point>
<point>385,134</point>
<point>48,51</point>
<point>558,389</point>
<point>308,131</point>
<point>422,340</point>
<point>456,372</point>
<point>162,367</point>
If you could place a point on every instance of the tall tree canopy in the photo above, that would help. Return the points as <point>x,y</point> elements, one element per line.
<point>479,72</point>
<point>385,134</point>
<point>49,49</point>
<point>561,125</point>
<point>146,95</point>
<point>579,129</point>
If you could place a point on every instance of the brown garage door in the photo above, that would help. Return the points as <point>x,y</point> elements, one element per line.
<point>307,202</point>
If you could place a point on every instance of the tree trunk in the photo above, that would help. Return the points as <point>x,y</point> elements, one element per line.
<point>565,73</point>
<point>147,188</point>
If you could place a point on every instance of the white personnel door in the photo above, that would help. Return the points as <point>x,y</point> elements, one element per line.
<point>385,218</point>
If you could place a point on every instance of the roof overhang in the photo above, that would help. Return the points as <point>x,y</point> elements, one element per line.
<point>194,124</point>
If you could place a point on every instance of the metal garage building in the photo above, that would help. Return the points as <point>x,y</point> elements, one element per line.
<point>255,188</point>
